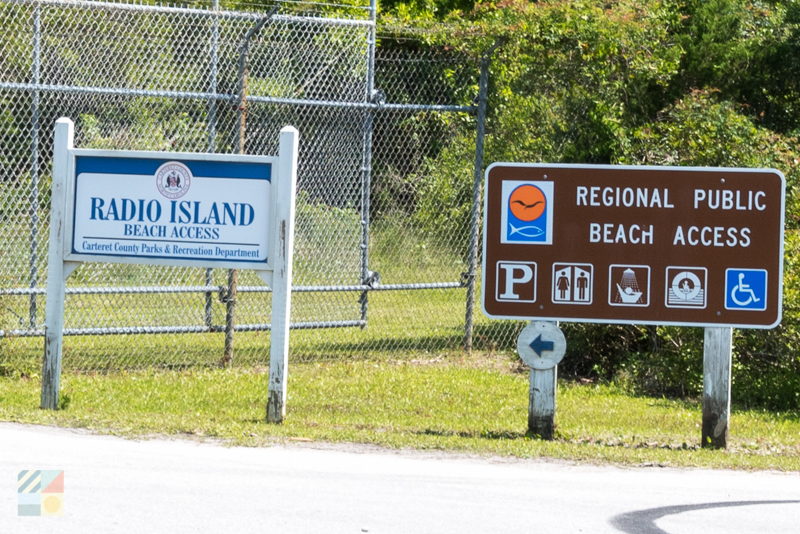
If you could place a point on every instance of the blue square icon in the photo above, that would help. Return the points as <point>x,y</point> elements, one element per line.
<point>746,289</point>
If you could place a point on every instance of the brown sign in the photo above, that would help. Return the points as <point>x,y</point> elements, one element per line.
<point>646,245</point>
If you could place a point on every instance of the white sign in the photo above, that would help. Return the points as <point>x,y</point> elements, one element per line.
<point>186,209</point>
<point>210,210</point>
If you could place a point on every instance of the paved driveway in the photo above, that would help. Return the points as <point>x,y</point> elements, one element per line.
<point>116,485</point>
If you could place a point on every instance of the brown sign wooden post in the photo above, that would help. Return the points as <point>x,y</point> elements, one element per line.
<point>678,246</point>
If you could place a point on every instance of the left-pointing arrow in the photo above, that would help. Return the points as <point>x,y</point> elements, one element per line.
<point>539,345</point>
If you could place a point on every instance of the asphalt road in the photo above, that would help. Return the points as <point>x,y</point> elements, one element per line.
<point>154,486</point>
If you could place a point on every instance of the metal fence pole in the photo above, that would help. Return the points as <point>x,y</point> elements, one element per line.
<point>212,134</point>
<point>34,195</point>
<point>101,91</point>
<point>366,167</point>
<point>474,228</point>
<point>233,274</point>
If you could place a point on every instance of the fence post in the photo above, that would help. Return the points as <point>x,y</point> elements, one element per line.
<point>212,136</point>
<point>233,274</point>
<point>717,357</point>
<point>34,195</point>
<point>475,213</point>
<point>366,166</point>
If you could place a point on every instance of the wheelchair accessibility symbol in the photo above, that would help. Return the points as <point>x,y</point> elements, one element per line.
<point>746,289</point>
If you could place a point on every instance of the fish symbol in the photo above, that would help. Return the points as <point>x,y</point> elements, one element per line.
<point>527,231</point>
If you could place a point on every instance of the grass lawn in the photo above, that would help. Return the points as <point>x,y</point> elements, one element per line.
<point>401,382</point>
<point>476,405</point>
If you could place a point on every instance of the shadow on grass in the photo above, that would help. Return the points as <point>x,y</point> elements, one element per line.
<point>483,434</point>
<point>326,350</point>
<point>497,335</point>
<point>492,337</point>
<point>514,435</point>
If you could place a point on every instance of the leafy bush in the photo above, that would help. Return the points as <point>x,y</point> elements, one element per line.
<point>658,83</point>
<point>444,200</point>
<point>703,130</point>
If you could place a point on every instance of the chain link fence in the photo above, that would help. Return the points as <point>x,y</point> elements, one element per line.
<point>374,273</point>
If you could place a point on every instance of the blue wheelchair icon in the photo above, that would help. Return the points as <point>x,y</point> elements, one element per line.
<point>746,289</point>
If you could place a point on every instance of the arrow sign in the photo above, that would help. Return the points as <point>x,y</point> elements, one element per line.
<point>539,345</point>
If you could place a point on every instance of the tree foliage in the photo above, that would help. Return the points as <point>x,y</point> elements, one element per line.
<point>683,82</point>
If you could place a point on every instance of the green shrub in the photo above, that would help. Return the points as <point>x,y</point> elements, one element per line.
<point>444,203</point>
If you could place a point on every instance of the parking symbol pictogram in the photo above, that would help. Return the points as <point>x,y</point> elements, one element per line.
<point>516,281</point>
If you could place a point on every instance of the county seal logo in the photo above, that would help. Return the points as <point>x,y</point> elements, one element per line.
<point>173,179</point>
<point>527,212</point>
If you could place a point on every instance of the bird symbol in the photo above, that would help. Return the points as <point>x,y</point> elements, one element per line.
<point>528,206</point>
<point>527,202</point>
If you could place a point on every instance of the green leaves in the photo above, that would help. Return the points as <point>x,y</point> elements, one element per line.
<point>691,82</point>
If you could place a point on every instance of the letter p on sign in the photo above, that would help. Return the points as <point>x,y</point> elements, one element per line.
<point>516,281</point>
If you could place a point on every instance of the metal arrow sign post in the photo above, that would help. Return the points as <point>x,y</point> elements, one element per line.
<point>542,345</point>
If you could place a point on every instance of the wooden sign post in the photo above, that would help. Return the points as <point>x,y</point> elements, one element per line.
<point>717,359</point>
<point>542,345</point>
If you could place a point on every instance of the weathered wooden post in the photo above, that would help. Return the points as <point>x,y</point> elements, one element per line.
<point>717,358</point>
<point>58,270</point>
<point>542,403</point>
<point>542,345</point>
<point>281,277</point>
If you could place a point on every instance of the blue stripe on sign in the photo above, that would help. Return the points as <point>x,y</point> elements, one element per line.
<point>149,166</point>
<point>29,510</point>
<point>29,481</point>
